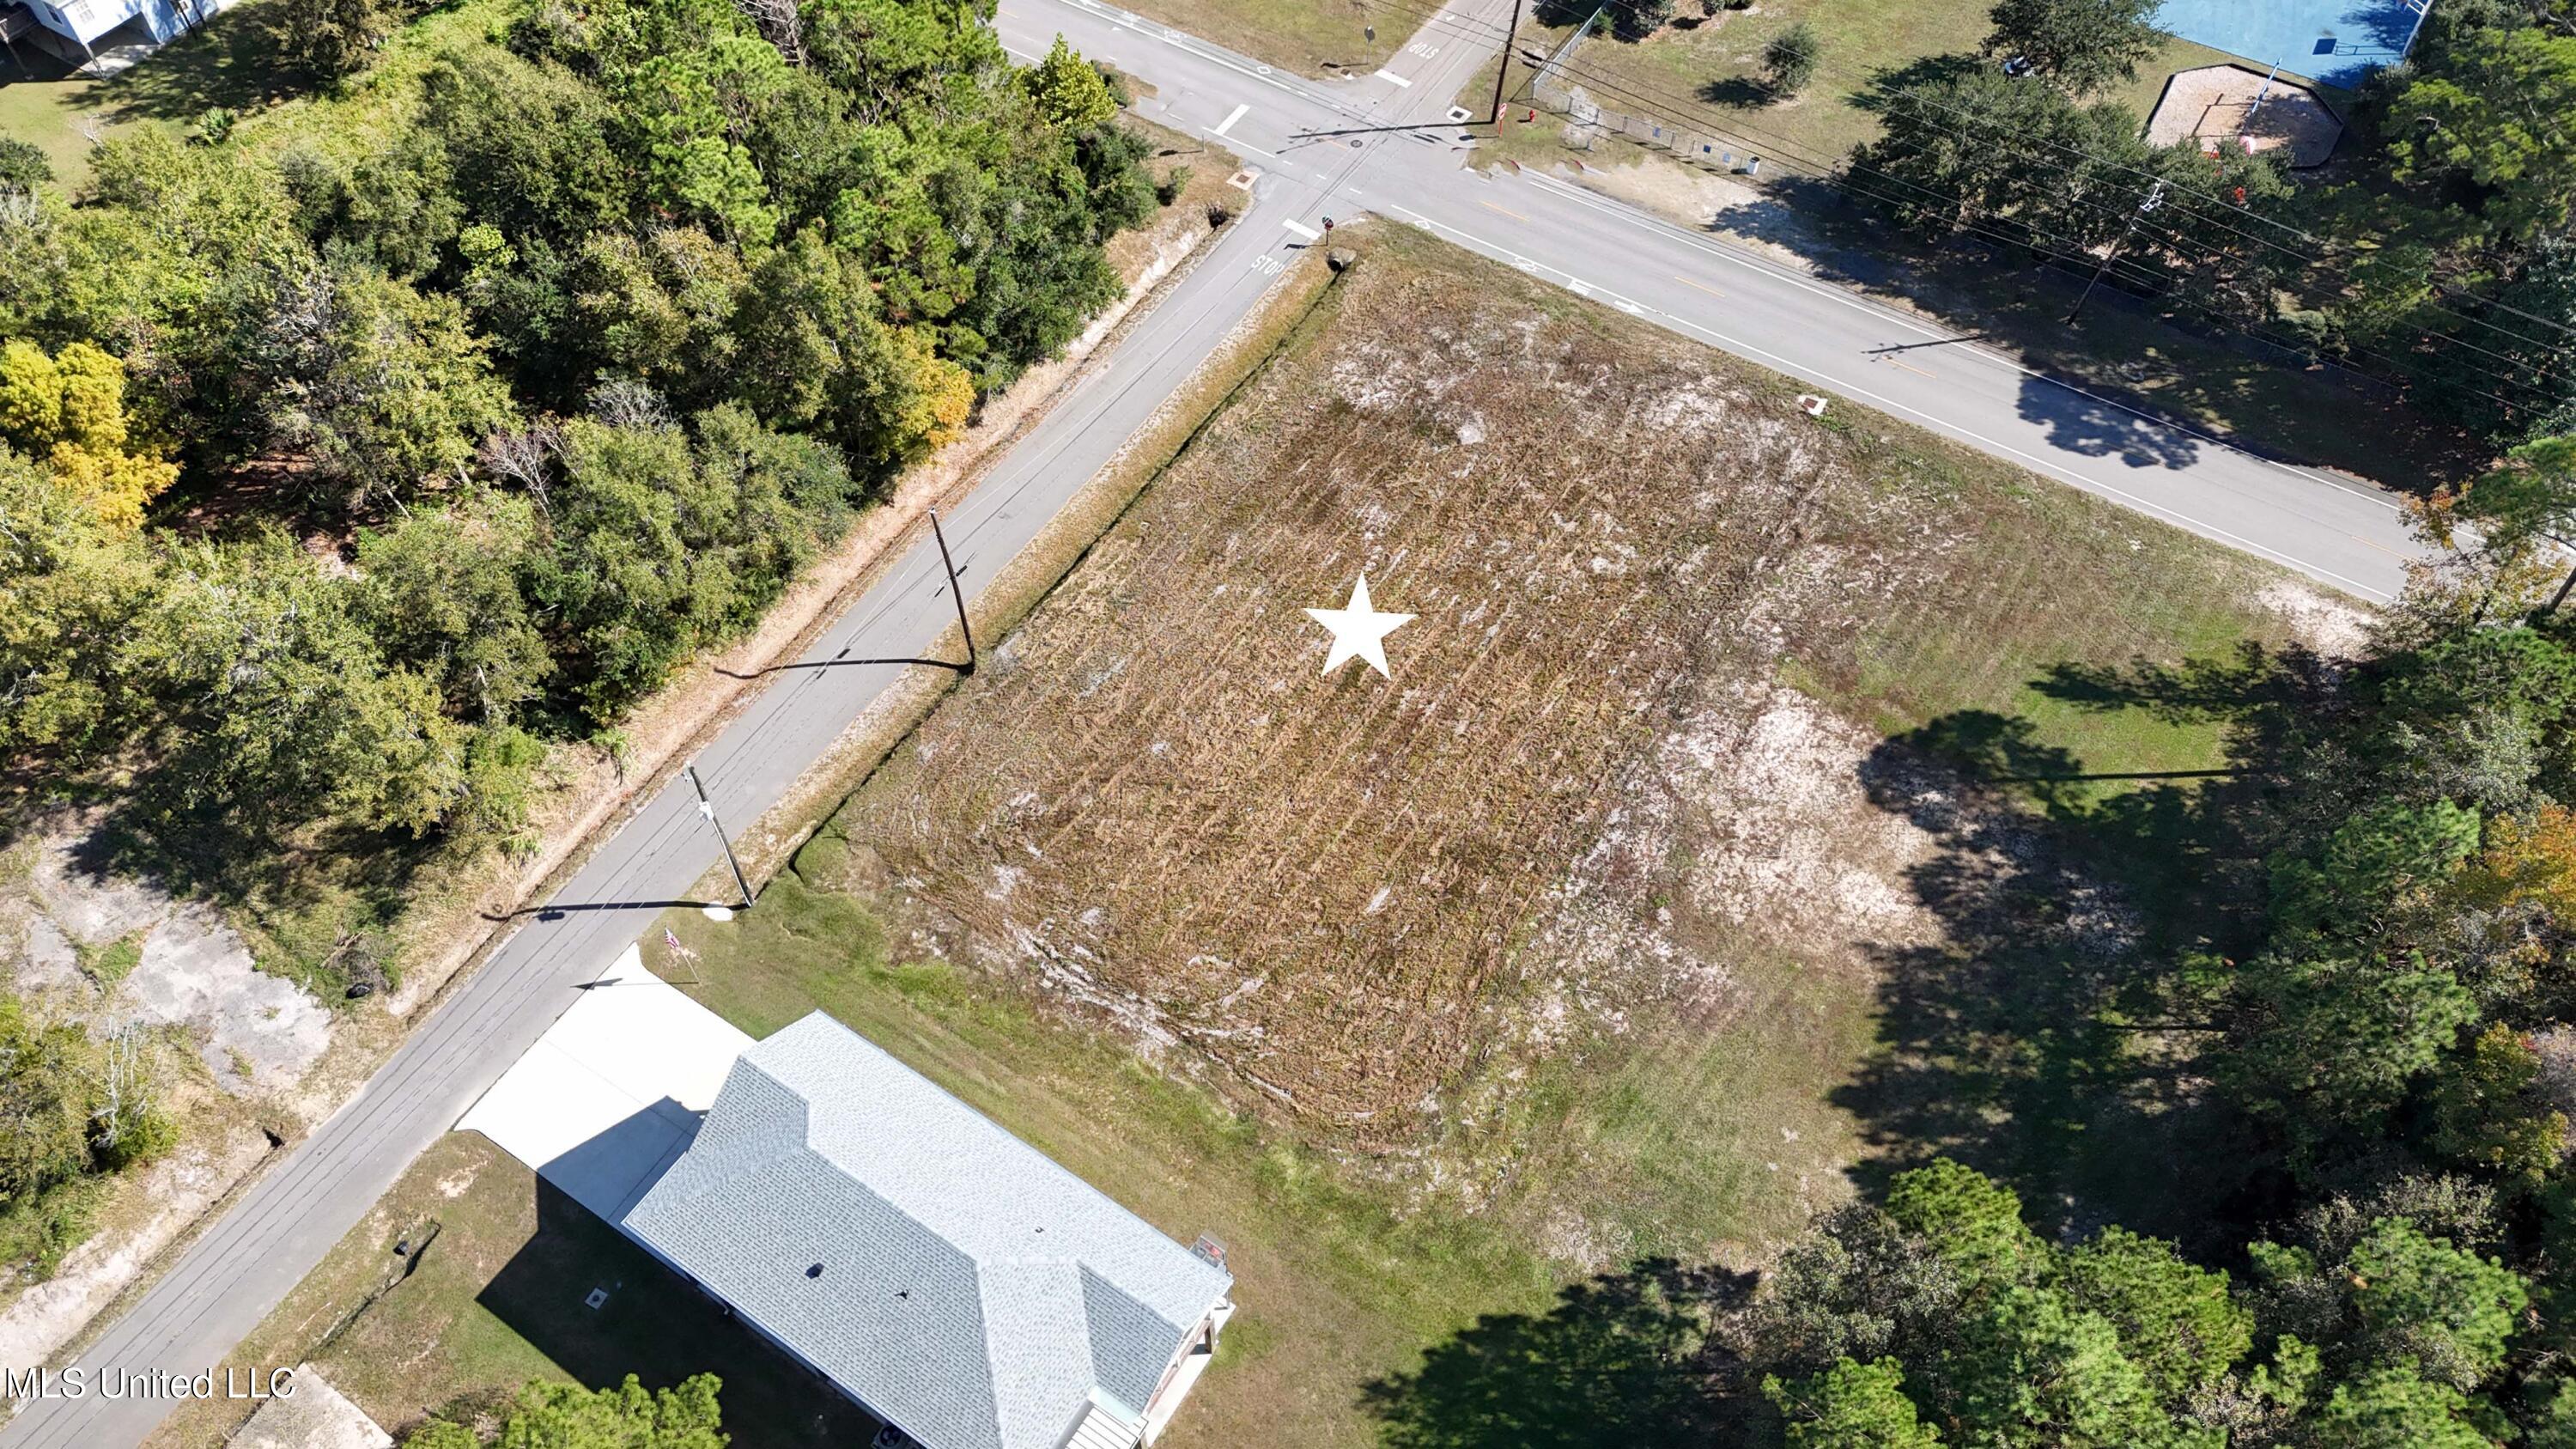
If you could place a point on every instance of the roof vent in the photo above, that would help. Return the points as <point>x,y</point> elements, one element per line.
<point>814,1272</point>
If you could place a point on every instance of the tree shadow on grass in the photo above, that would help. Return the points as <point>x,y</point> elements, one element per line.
<point>2050,1034</point>
<point>232,60</point>
<point>658,1327</point>
<point>1621,1361</point>
<point>1742,91</point>
<point>1889,81</point>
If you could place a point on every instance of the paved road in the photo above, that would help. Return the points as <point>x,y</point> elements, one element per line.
<point>1700,286</point>
<point>246,1262</point>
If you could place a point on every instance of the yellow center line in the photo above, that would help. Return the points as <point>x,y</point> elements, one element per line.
<point>1909,367</point>
<point>1514,215</point>
<point>1703,286</point>
<point>2383,548</point>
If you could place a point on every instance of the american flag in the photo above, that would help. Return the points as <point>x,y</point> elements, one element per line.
<point>671,941</point>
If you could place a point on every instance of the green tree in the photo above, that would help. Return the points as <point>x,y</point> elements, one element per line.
<point>2392,1408</point>
<point>1971,1221</point>
<point>2082,45</point>
<point>2380,860</point>
<point>274,704</point>
<point>69,584</point>
<point>2497,116</point>
<point>23,167</point>
<point>441,595</point>
<point>1956,151</point>
<point>2328,1042</point>
<point>329,40</point>
<point>2449,1312</point>
<point>1067,91</point>
<point>1790,60</point>
<point>549,1415</point>
<point>1851,1406</point>
<point>2530,500</point>
<point>815,355</point>
<point>380,384</point>
<point>2485,1114</point>
<point>1637,19</point>
<point>659,308</point>
<point>2178,1321</point>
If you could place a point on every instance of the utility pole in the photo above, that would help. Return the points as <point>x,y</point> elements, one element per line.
<point>1503,67</point>
<point>2155,197</point>
<point>708,810</point>
<point>955,594</point>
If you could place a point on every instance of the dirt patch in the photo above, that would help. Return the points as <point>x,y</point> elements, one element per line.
<point>2221,108</point>
<point>2323,622</point>
<point>155,961</point>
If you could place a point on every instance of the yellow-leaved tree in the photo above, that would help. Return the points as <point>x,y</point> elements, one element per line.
<point>939,396</point>
<point>69,409</point>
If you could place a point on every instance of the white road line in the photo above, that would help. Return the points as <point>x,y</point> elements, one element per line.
<point>1388,75</point>
<point>1301,229</point>
<point>1232,144</point>
<point>1747,349</point>
<point>1585,198</point>
<point>1230,118</point>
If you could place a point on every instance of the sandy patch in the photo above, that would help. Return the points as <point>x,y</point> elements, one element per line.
<point>2324,623</point>
<point>253,1031</point>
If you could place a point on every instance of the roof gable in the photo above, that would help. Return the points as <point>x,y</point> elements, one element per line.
<point>945,1272</point>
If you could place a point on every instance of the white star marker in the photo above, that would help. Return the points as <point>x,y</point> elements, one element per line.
<point>1359,631</point>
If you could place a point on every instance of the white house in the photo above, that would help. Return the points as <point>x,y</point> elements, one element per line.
<point>87,22</point>
<point>950,1278</point>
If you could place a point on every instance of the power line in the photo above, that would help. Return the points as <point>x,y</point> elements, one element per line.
<point>2174,241</point>
<point>2316,260</point>
<point>2160,285</point>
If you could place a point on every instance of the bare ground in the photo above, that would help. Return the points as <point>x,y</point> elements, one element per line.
<point>1364,904</point>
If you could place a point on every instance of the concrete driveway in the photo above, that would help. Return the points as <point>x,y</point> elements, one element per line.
<point>614,1090</point>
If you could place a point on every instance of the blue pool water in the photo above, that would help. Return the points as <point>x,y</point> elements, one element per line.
<point>2335,41</point>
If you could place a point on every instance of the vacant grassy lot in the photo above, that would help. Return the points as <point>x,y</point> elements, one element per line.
<point>1604,929</point>
<point>1707,74</point>
<point>1569,944</point>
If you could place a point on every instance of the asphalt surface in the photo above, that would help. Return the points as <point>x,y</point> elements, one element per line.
<point>2339,532</point>
<point>1308,140</point>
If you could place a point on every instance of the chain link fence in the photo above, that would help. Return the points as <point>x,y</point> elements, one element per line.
<point>1588,120</point>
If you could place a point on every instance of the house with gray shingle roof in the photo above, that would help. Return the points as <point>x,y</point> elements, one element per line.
<point>949,1277</point>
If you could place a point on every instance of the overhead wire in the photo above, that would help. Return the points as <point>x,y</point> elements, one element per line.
<point>2184,205</point>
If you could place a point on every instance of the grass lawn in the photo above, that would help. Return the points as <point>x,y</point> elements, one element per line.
<point>490,1291</point>
<point>1597,934</point>
<point>44,101</point>
<point>1311,37</point>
